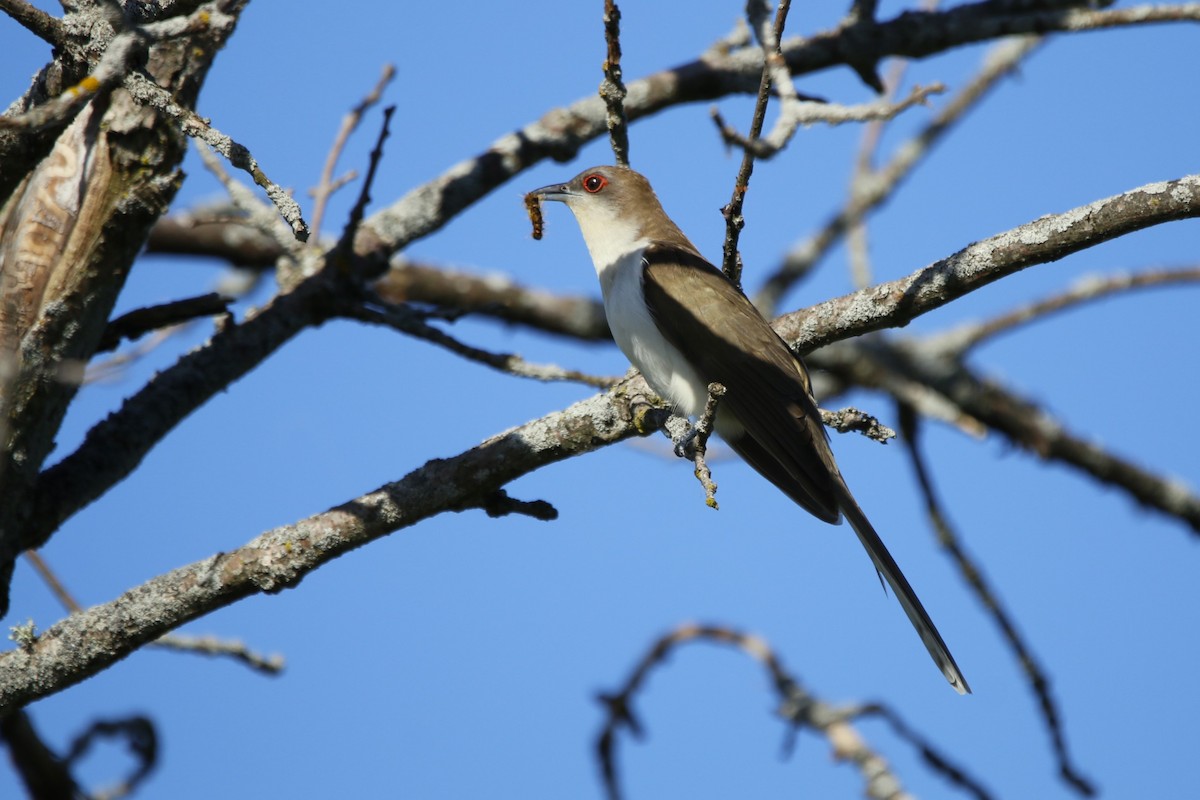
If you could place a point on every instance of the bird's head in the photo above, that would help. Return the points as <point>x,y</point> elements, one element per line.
<point>617,212</point>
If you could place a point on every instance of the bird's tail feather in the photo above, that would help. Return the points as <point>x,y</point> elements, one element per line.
<point>890,570</point>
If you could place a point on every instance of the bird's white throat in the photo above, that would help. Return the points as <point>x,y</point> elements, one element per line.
<point>608,234</point>
<point>666,369</point>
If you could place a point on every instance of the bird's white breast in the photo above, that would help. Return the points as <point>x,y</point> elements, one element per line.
<point>664,367</point>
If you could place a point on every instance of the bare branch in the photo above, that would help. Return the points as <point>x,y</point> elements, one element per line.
<point>932,755</point>
<point>85,643</point>
<point>612,88</point>
<point>204,645</point>
<point>141,740</point>
<point>220,232</point>
<point>36,21</point>
<point>808,112</point>
<point>40,768</point>
<point>116,445</point>
<point>1047,239</point>
<point>871,190</point>
<point>797,705</point>
<point>967,337</point>
<point>138,322</point>
<point>326,186</point>
<point>851,419</point>
<point>880,363</point>
<point>229,648</point>
<point>972,573</point>
<point>405,320</point>
<point>112,67</point>
<point>344,251</point>
<point>560,133</point>
<point>773,70</point>
<point>255,212</point>
<point>495,296</point>
<point>151,94</point>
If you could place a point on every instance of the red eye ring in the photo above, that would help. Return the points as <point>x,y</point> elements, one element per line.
<point>594,183</point>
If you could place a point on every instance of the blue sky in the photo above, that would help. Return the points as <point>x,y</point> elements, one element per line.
<point>461,657</point>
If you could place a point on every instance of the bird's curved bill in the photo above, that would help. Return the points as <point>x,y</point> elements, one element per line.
<point>555,191</point>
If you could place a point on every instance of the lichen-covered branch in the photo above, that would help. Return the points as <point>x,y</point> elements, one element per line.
<point>74,221</point>
<point>898,302</point>
<point>85,643</point>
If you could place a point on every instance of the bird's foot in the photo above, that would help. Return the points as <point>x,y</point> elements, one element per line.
<point>683,435</point>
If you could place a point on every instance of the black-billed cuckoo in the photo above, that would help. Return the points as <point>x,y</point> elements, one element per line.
<point>684,324</point>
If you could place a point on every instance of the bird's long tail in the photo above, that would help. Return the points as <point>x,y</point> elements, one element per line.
<point>904,592</point>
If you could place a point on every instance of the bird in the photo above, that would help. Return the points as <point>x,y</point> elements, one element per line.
<point>684,324</point>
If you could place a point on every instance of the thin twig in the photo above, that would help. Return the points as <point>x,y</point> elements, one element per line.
<point>258,214</point>
<point>405,320</point>
<point>811,112</point>
<point>799,707</point>
<point>961,340</point>
<point>612,88</point>
<point>327,185</point>
<point>115,366</point>
<point>932,756</point>
<point>137,323</point>
<point>50,578</point>
<point>499,504</point>
<point>895,366</point>
<point>868,195</point>
<point>704,429</point>
<point>850,419</point>
<point>734,221</point>
<point>345,246</point>
<point>230,648</point>
<point>145,91</point>
<point>973,575</point>
<point>857,247</point>
<point>141,740</point>
<point>111,68</point>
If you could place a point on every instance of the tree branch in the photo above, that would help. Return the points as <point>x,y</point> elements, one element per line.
<point>85,643</point>
<point>898,302</point>
<point>969,568</point>
<point>562,132</point>
<point>873,189</point>
<point>134,324</point>
<point>115,446</point>
<point>883,364</point>
<point>34,20</point>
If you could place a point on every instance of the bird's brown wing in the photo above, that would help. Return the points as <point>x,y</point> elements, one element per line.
<point>768,392</point>
<point>700,312</point>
